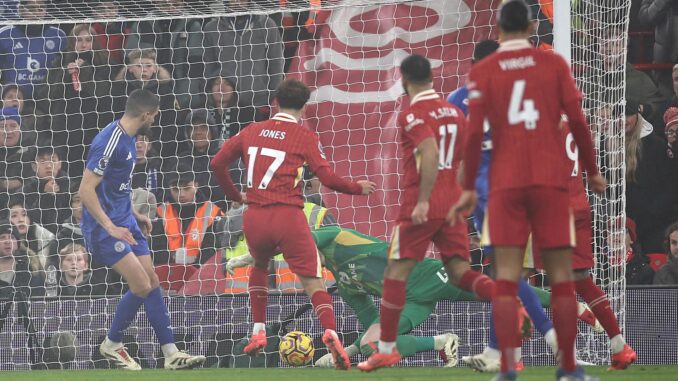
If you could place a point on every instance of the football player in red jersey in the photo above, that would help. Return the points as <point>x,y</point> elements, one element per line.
<point>432,133</point>
<point>522,92</point>
<point>274,152</point>
<point>582,261</point>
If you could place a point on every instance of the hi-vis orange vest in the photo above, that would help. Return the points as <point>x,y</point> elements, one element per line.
<point>191,239</point>
<point>286,280</point>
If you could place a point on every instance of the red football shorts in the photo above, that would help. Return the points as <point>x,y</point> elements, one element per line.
<point>282,228</point>
<point>513,213</point>
<point>412,241</point>
<point>582,258</point>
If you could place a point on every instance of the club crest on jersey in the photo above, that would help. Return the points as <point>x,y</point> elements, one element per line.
<point>119,246</point>
<point>50,45</point>
<point>103,163</point>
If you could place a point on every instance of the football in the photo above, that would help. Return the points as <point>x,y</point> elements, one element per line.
<point>296,349</point>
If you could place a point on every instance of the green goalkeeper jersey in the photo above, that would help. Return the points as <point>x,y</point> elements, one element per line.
<point>358,262</point>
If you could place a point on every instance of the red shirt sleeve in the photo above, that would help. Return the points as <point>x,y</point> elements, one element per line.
<point>474,138</point>
<point>571,105</point>
<point>314,155</point>
<point>220,164</point>
<point>318,163</point>
<point>415,129</point>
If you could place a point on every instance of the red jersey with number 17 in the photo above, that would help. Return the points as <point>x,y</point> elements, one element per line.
<point>429,116</point>
<point>522,91</point>
<point>274,152</point>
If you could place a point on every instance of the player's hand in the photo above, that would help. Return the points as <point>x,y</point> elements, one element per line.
<point>145,224</point>
<point>122,234</point>
<point>237,262</point>
<point>325,361</point>
<point>368,186</point>
<point>463,208</point>
<point>243,196</point>
<point>420,213</point>
<point>597,184</point>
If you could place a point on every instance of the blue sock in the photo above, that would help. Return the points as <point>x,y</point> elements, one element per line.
<point>125,313</point>
<point>533,307</point>
<point>157,314</point>
<point>493,335</point>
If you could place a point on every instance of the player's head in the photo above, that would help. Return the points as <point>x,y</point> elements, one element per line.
<point>483,49</point>
<point>292,95</point>
<point>47,162</point>
<point>142,106</point>
<point>514,18</point>
<point>671,241</point>
<point>415,70</point>
<point>183,187</point>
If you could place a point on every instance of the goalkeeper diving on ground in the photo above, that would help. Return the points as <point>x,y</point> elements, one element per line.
<point>357,262</point>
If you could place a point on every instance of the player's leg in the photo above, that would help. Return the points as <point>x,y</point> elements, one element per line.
<point>553,232</point>
<point>408,246</point>
<point>261,244</point>
<point>158,316</point>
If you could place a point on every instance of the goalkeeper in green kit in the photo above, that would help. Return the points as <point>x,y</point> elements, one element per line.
<point>357,262</point>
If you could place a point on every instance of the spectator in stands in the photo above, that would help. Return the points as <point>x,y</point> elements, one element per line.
<point>47,189</point>
<point>70,97</point>
<point>668,274</point>
<point>36,239</point>
<point>671,132</point>
<point>638,269</point>
<point>76,277</point>
<point>69,229</point>
<point>111,36</point>
<point>27,50</point>
<point>13,96</point>
<point>186,229</point>
<point>12,153</point>
<point>662,15</point>
<point>651,193</point>
<point>248,48</point>
<point>15,273</point>
<point>142,71</point>
<point>175,40</point>
<point>147,169</point>
<point>222,101</point>
<point>200,129</point>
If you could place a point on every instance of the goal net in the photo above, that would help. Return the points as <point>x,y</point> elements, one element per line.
<point>67,71</point>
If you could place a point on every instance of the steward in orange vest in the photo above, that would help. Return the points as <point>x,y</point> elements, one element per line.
<point>185,234</point>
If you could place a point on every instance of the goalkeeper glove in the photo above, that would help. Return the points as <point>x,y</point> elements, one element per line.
<point>237,262</point>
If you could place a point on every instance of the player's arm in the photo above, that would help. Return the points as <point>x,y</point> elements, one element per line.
<point>221,164</point>
<point>570,99</point>
<point>361,303</point>
<point>318,163</point>
<point>88,196</point>
<point>427,150</point>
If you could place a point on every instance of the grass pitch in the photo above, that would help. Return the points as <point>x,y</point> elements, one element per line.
<point>637,372</point>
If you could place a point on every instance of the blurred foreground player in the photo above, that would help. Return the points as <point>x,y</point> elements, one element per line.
<point>274,152</point>
<point>522,92</point>
<point>431,135</point>
<point>114,237</point>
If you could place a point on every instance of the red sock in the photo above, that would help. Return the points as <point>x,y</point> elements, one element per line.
<point>392,303</point>
<point>478,284</point>
<point>599,304</point>
<point>505,313</point>
<point>564,306</point>
<point>258,289</point>
<point>322,305</point>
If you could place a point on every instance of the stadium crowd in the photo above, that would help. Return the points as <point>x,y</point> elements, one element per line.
<point>62,83</point>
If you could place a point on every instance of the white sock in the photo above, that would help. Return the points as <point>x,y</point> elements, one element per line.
<point>552,340</point>
<point>491,353</point>
<point>258,327</point>
<point>518,354</point>
<point>110,343</point>
<point>617,344</point>
<point>386,347</point>
<point>439,341</point>
<point>169,349</point>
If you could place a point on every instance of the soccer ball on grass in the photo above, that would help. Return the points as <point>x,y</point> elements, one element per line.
<point>296,349</point>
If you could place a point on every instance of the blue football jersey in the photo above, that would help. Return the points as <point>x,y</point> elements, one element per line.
<point>459,98</point>
<point>24,60</point>
<point>112,155</point>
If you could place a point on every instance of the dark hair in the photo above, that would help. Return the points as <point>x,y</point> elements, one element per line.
<point>292,94</point>
<point>514,16</point>
<point>483,49</point>
<point>140,101</point>
<point>43,151</point>
<point>416,69</point>
<point>182,177</point>
<point>667,237</point>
